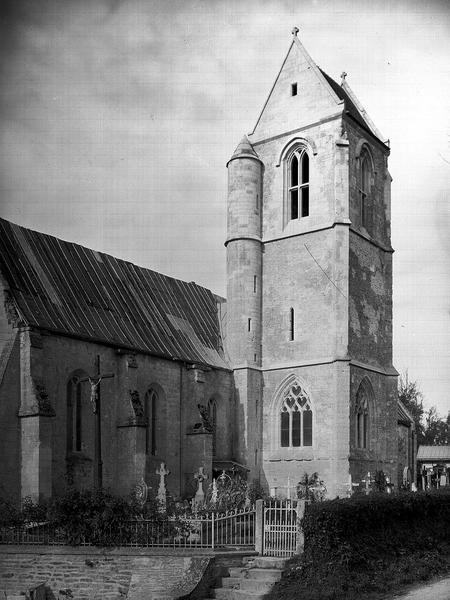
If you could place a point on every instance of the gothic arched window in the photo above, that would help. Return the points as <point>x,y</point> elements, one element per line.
<point>296,423</point>
<point>362,415</point>
<point>74,415</point>
<point>298,182</point>
<point>150,411</point>
<point>365,182</point>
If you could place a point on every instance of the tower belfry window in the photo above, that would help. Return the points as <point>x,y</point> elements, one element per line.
<point>298,174</point>
<point>293,89</point>
<point>365,177</point>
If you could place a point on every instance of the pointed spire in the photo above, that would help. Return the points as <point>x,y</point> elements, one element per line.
<point>244,150</point>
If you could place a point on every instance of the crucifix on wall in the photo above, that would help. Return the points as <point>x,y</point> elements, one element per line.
<point>95,398</point>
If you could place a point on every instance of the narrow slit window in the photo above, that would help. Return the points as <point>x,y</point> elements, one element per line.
<point>257,202</point>
<point>293,89</point>
<point>291,324</point>
<point>255,281</point>
<point>249,324</point>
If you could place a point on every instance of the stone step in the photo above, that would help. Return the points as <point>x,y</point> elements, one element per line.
<point>230,594</point>
<point>269,562</point>
<point>265,574</point>
<point>238,571</point>
<point>240,583</point>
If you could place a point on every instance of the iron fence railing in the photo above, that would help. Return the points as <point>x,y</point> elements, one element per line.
<point>208,530</point>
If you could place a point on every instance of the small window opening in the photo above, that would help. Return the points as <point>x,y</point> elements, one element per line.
<point>257,202</point>
<point>249,324</point>
<point>291,324</point>
<point>254,358</point>
<point>255,281</point>
<point>293,89</point>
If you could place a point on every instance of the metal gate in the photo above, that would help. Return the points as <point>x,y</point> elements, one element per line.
<point>280,527</point>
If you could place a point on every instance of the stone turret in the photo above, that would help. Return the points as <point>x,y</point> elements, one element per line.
<point>244,255</point>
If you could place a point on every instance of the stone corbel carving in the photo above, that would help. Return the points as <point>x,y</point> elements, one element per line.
<point>39,405</point>
<point>138,408</point>
<point>131,361</point>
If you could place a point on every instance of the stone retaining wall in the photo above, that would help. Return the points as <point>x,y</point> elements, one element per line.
<point>100,574</point>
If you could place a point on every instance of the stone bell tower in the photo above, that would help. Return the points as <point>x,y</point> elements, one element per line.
<point>309,296</point>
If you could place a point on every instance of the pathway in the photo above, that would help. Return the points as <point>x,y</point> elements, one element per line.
<point>437,590</point>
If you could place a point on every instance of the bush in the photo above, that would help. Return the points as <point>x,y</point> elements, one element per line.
<point>95,516</point>
<point>355,530</point>
<point>366,546</point>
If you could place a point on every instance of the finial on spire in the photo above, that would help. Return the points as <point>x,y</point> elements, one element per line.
<point>343,76</point>
<point>295,30</point>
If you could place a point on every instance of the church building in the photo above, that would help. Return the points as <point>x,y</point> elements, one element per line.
<point>108,370</point>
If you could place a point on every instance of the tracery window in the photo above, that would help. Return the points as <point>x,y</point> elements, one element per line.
<point>150,409</point>
<point>365,181</point>
<point>362,417</point>
<point>296,426</point>
<point>298,178</point>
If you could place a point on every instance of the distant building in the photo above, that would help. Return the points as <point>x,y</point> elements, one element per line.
<point>108,369</point>
<point>433,466</point>
<point>407,447</point>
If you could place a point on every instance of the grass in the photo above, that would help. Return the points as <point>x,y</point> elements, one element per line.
<point>371,581</point>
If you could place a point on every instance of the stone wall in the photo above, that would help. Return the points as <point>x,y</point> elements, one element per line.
<point>45,365</point>
<point>9,404</point>
<point>96,574</point>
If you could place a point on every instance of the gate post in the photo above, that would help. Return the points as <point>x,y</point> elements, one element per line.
<point>259,526</point>
<point>300,535</point>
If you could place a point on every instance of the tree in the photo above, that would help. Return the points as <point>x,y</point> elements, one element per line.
<point>412,398</point>
<point>437,431</point>
<point>431,430</point>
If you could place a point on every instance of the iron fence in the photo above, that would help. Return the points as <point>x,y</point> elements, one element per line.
<point>209,530</point>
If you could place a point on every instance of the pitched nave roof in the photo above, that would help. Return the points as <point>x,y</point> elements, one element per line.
<point>66,288</point>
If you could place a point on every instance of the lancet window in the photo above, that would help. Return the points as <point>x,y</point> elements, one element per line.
<point>212,409</point>
<point>151,414</point>
<point>74,415</point>
<point>362,417</point>
<point>298,177</point>
<point>365,182</point>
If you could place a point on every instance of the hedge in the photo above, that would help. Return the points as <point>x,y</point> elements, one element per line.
<point>359,529</point>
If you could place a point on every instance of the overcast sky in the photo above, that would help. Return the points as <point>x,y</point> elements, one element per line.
<point>117,119</point>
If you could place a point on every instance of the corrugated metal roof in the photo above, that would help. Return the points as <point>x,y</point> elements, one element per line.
<point>69,289</point>
<point>431,453</point>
